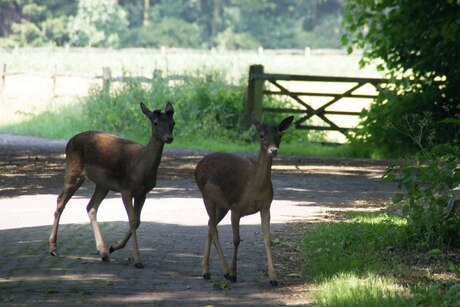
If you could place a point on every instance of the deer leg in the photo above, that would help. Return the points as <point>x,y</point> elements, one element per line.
<point>207,251</point>
<point>265,218</point>
<point>138,204</point>
<point>236,242</point>
<point>98,195</point>
<point>134,221</point>
<point>71,184</point>
<point>216,215</point>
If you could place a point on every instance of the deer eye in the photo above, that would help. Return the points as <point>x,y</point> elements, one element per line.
<point>262,136</point>
<point>155,123</point>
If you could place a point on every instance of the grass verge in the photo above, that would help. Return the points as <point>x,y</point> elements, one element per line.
<point>62,122</point>
<point>366,261</point>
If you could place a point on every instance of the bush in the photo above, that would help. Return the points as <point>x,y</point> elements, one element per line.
<point>170,32</point>
<point>207,107</point>
<point>399,115</point>
<point>428,179</point>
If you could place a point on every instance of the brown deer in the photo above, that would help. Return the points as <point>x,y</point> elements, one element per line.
<point>243,186</point>
<point>114,164</point>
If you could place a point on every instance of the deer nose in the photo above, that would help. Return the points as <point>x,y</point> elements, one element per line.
<point>273,150</point>
<point>168,139</point>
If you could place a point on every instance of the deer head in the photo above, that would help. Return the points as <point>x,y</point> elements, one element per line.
<point>270,135</point>
<point>162,123</point>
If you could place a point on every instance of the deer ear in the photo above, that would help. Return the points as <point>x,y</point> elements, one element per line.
<point>169,108</point>
<point>145,110</point>
<point>255,120</point>
<point>285,123</point>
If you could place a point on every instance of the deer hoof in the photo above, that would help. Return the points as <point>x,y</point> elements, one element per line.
<point>207,275</point>
<point>111,249</point>
<point>274,283</point>
<point>231,278</point>
<point>105,258</point>
<point>139,265</point>
<point>54,253</point>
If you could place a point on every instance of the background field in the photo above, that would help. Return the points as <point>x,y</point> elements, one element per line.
<point>29,89</point>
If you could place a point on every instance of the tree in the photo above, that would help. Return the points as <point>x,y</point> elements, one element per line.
<point>417,44</point>
<point>35,22</point>
<point>98,23</point>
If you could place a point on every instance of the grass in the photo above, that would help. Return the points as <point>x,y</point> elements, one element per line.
<point>34,113</point>
<point>352,290</point>
<point>145,61</point>
<point>60,121</point>
<point>366,261</point>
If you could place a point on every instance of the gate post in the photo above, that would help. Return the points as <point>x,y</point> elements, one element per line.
<point>106,79</point>
<point>254,95</point>
<point>2,79</point>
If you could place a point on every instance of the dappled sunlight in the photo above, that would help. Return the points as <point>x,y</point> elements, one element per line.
<point>172,233</point>
<point>371,172</point>
<point>64,277</point>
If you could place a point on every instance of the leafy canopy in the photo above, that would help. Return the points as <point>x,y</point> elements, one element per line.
<point>417,43</point>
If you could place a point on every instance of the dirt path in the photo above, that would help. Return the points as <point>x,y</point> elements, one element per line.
<point>171,236</point>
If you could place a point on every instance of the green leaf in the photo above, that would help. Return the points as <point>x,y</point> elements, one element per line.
<point>434,252</point>
<point>275,241</point>
<point>397,198</point>
<point>450,121</point>
<point>389,178</point>
<point>454,268</point>
<point>442,149</point>
<point>454,290</point>
<point>222,285</point>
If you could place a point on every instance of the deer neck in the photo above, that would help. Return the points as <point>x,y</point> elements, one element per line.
<point>263,169</point>
<point>150,156</point>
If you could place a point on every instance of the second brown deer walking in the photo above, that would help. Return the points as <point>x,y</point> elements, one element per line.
<point>114,164</point>
<point>232,183</point>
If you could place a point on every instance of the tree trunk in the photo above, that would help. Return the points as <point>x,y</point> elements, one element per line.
<point>216,12</point>
<point>146,12</point>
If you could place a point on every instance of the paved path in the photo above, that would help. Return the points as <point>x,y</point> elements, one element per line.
<point>171,238</point>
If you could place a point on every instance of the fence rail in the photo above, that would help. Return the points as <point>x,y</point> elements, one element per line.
<point>257,90</point>
<point>105,78</point>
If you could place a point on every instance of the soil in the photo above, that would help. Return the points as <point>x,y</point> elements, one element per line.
<point>32,167</point>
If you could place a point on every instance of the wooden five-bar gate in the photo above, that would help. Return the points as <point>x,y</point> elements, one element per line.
<point>302,107</point>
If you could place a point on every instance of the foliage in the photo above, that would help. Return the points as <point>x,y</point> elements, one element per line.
<point>177,23</point>
<point>168,32</point>
<point>366,261</point>
<point>428,180</point>
<point>97,24</point>
<point>35,23</point>
<point>421,62</point>
<point>437,296</point>
<point>228,40</point>
<point>206,106</point>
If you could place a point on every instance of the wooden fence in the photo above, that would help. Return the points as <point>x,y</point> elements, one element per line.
<point>257,90</point>
<point>105,78</point>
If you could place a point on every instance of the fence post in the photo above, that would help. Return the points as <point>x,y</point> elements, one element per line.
<point>2,79</point>
<point>157,74</point>
<point>254,95</point>
<point>106,79</point>
<point>53,81</point>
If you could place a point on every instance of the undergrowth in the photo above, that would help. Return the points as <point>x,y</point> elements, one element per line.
<point>368,260</point>
<point>208,115</point>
